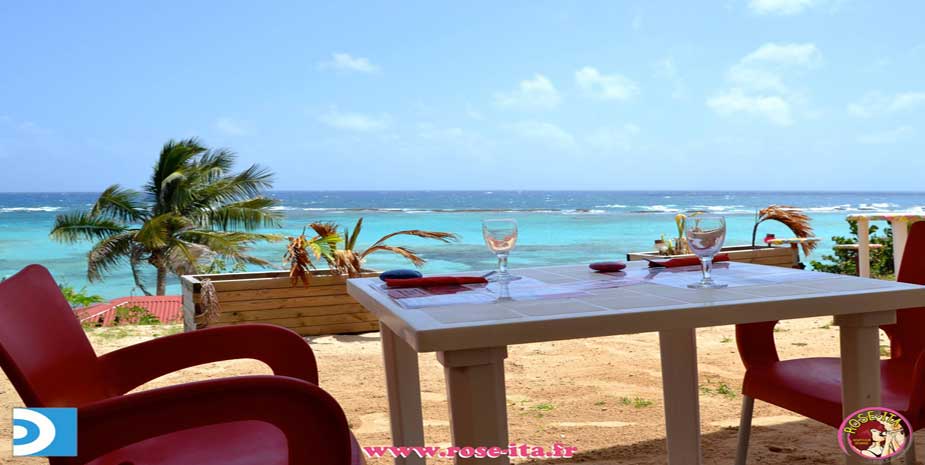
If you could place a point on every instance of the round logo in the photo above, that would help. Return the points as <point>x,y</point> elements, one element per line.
<point>875,433</point>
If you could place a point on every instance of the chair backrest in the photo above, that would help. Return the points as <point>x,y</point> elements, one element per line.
<point>43,349</point>
<point>906,339</point>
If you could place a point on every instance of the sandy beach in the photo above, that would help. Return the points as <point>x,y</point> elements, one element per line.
<point>600,395</point>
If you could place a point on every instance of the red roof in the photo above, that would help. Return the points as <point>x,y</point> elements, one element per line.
<point>167,309</point>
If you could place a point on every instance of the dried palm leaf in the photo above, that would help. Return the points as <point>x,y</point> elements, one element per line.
<point>409,254</point>
<point>441,236</point>
<point>792,217</point>
<point>208,300</point>
<point>298,260</point>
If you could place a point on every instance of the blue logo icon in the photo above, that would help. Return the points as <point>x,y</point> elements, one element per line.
<point>45,432</point>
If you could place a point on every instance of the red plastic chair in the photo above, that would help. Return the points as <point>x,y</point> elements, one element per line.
<point>812,386</point>
<point>260,420</point>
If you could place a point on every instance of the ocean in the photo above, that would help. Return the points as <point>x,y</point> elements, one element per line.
<point>556,227</point>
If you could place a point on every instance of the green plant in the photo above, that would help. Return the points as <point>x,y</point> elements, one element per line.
<point>134,315</point>
<point>844,261</point>
<point>544,407</point>
<point>348,261</point>
<point>219,265</point>
<point>636,402</point>
<point>725,390</point>
<point>79,298</point>
<point>193,209</point>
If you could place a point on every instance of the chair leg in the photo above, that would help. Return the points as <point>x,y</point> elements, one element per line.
<point>745,430</point>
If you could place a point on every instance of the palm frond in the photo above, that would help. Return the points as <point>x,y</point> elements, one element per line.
<point>348,263</point>
<point>298,260</point>
<point>109,253</point>
<point>137,255</point>
<point>74,227</point>
<point>405,252</point>
<point>119,204</point>
<point>440,236</point>
<point>158,232</point>
<point>247,214</point>
<point>352,238</point>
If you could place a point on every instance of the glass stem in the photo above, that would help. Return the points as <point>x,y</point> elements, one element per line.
<point>502,264</point>
<point>707,266</point>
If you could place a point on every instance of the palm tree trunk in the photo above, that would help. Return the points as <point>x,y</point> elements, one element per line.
<point>161,280</point>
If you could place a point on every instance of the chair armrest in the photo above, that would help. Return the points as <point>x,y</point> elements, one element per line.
<point>286,353</point>
<point>756,343</point>
<point>314,424</point>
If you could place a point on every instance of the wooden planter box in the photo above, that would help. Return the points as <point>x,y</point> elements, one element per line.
<point>268,297</point>
<point>786,257</point>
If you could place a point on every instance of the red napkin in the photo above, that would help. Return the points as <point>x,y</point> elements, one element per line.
<point>436,281</point>
<point>686,261</point>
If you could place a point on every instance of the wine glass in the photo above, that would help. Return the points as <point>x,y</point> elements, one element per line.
<point>705,236</point>
<point>500,237</point>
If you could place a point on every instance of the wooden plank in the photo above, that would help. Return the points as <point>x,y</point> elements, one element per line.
<point>284,293</point>
<point>364,327</point>
<point>271,304</point>
<point>360,327</point>
<point>326,320</point>
<point>251,284</point>
<point>261,315</point>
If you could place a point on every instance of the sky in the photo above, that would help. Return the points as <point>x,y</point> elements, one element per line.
<point>558,95</point>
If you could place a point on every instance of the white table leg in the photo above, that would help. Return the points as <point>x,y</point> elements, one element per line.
<point>863,247</point>
<point>403,385</point>
<point>900,233</point>
<point>860,362</point>
<point>682,402</point>
<point>478,406</point>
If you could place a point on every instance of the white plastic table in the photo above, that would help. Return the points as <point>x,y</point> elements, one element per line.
<point>471,341</point>
<point>900,223</point>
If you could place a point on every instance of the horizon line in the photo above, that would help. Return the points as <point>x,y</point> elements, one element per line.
<point>761,191</point>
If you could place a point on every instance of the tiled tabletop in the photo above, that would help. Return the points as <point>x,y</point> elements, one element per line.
<point>646,300</point>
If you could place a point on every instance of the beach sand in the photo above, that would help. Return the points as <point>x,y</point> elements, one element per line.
<point>600,395</point>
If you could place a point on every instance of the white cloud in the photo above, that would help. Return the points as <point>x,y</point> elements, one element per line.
<point>756,79</point>
<point>885,137</point>
<point>756,83</point>
<point>346,62</point>
<point>637,23</point>
<point>614,138</point>
<point>354,121</point>
<point>545,133</point>
<point>907,101</point>
<point>806,55</point>
<point>780,7</point>
<point>233,127</point>
<point>666,69</point>
<point>605,86</point>
<point>538,92</point>
<point>772,107</point>
<point>878,103</point>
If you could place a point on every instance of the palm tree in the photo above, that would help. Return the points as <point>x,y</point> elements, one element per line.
<point>193,209</point>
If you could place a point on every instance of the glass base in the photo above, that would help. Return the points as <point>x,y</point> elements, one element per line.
<point>707,285</point>
<point>501,278</point>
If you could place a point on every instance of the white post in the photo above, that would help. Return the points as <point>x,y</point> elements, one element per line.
<point>863,247</point>
<point>900,233</point>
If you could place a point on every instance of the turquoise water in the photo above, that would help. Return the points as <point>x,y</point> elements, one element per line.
<point>555,227</point>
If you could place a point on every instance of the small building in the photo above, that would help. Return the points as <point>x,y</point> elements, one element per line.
<point>167,309</point>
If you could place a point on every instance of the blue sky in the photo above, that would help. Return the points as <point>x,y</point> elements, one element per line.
<point>734,95</point>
